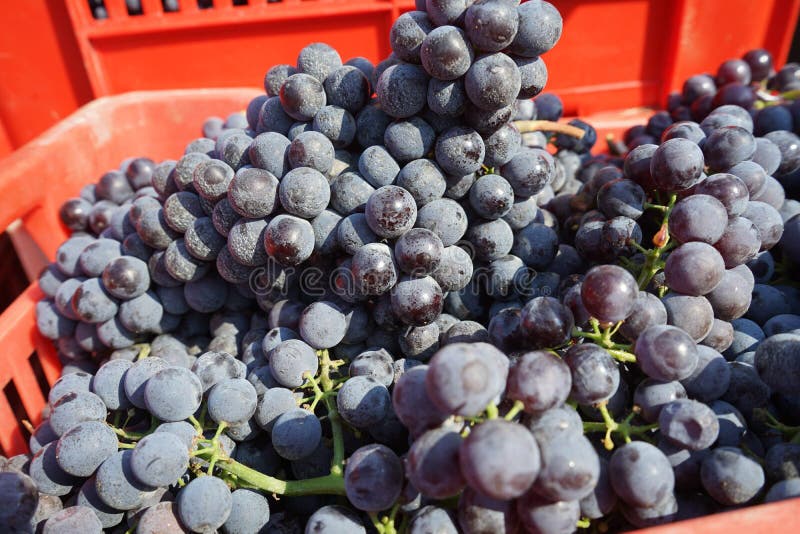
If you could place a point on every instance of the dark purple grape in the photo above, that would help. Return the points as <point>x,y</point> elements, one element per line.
<point>540,380</point>
<point>609,293</point>
<point>666,353</point>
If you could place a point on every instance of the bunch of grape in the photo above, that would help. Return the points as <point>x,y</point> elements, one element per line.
<point>371,302</point>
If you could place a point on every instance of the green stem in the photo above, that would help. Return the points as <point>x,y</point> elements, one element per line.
<point>652,262</point>
<point>327,485</point>
<point>197,425</point>
<point>583,523</point>
<point>514,411</point>
<point>491,411</point>
<point>622,356</point>
<point>328,385</point>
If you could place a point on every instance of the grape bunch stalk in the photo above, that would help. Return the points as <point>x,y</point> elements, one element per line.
<point>375,301</point>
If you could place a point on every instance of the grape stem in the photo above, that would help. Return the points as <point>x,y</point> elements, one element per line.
<point>385,525</point>
<point>549,126</point>
<point>619,351</point>
<point>515,409</point>
<point>652,262</point>
<point>772,422</point>
<point>491,411</point>
<point>623,428</point>
<point>327,386</point>
<point>583,523</point>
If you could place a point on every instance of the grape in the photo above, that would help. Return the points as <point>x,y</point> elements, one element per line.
<point>491,196</point>
<point>546,322</point>
<point>116,484</point>
<point>465,332</point>
<point>322,325</point>
<point>677,164</point>
<point>423,179</point>
<point>499,459</point>
<point>335,520</point>
<point>702,217</point>
<point>296,433</point>
<point>767,301</point>
<point>302,96</point>
<point>71,383</point>
<point>538,514</point>
<point>159,459</point>
<point>249,512</point>
<point>727,146</point>
<point>730,477</point>
<point>373,478</point>
<point>782,461</point>
<point>349,193</point>
<point>81,450</point>
<point>212,367</point>
<point>232,401</point>
<point>408,33</point>
<point>789,147</point>
<point>447,98</point>
<point>91,302</point>
<point>694,315</point>
<point>694,269</point>
<point>621,197</point>
<point>491,240</point>
<point>647,311</point>
<point>529,171</point>
<point>464,378</point>
<point>416,301</point>
<point>87,497</point>
<point>732,296</point>
<point>570,468</point>
<point>73,519</point>
<point>609,293</point>
<point>291,360</point>
<point>96,255</point>
<point>272,404</point>
<point>776,362</point>
<point>141,314</point>
<point>641,475</point>
<point>767,221</point>
<point>289,240</point>
<point>402,90</point>
<point>50,479</point>
<point>784,489</point>
<point>444,217</point>
<point>374,363</point>
<point>204,504</point>
<point>20,500</point>
<point>363,401</point>
<point>540,28</point>
<point>595,375</point>
<point>304,192</point>
<point>432,464</point>
<point>720,337</point>
<point>411,402</point>
<point>666,353</point>
<point>391,211</point>
<point>688,424</point>
<point>74,408</point>
<point>460,151</point>
<point>536,244</point>
<point>126,277</point>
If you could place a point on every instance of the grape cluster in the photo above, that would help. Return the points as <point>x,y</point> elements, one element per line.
<point>372,302</point>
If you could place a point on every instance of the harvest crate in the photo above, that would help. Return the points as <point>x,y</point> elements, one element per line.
<point>42,174</point>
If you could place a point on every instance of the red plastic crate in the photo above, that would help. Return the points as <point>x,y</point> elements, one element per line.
<point>613,54</point>
<point>39,176</point>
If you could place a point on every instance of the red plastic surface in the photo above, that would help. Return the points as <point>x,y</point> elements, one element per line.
<point>38,177</point>
<point>613,54</point>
